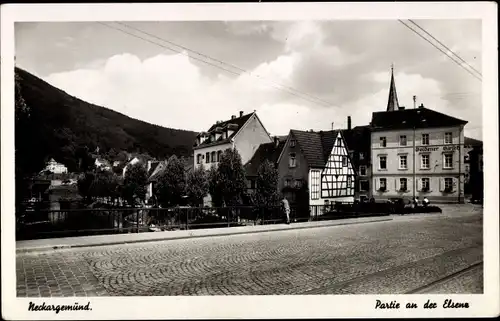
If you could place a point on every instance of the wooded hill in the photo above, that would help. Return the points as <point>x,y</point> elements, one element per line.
<point>60,124</point>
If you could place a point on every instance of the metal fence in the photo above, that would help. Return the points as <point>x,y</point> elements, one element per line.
<point>43,223</point>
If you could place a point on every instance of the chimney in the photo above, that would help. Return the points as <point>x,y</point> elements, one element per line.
<point>421,106</point>
<point>401,108</point>
<point>276,141</point>
<point>241,113</point>
<point>233,116</point>
<point>348,122</point>
<point>414,101</point>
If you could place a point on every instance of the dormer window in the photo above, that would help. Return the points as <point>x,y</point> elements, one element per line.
<point>292,142</point>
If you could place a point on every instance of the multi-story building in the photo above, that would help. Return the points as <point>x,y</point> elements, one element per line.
<point>244,133</point>
<point>470,145</point>
<point>416,153</point>
<point>358,145</point>
<point>55,167</point>
<point>319,160</point>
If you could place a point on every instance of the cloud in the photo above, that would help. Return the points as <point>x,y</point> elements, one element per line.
<point>343,63</point>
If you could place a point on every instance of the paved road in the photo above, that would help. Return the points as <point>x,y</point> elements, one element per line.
<point>392,257</point>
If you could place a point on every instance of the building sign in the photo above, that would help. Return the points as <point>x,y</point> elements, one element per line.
<point>426,149</point>
<point>423,149</point>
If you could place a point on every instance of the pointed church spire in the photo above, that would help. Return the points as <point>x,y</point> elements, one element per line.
<point>392,104</point>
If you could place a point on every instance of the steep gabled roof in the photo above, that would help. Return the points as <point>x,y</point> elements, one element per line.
<point>311,146</point>
<point>158,169</point>
<point>268,151</point>
<point>413,118</point>
<point>239,122</point>
<point>316,146</point>
<point>328,139</point>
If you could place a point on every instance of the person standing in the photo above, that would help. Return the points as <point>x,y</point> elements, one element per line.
<point>286,208</point>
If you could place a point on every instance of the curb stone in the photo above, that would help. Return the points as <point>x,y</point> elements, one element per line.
<point>169,238</point>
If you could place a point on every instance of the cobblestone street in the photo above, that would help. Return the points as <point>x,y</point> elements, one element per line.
<point>398,256</point>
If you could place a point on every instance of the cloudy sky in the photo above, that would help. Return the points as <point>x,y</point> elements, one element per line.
<point>297,75</point>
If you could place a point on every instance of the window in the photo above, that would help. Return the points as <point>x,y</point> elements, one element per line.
<point>448,161</point>
<point>298,183</point>
<point>361,155</point>
<point>339,142</point>
<point>198,158</point>
<point>219,154</point>
<point>362,170</point>
<point>425,184</point>
<point>213,157</point>
<point>363,186</point>
<point>292,143</point>
<point>288,182</point>
<point>448,138</point>
<point>252,184</point>
<point>207,157</point>
<point>349,181</point>
<point>425,139</point>
<point>403,161</point>
<point>292,161</point>
<point>402,140</point>
<point>351,155</point>
<point>382,162</point>
<point>344,161</point>
<point>383,142</point>
<point>315,185</point>
<point>383,184</point>
<point>448,184</point>
<point>424,161</point>
<point>403,184</point>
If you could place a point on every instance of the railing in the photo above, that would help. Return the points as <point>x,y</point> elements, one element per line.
<point>39,223</point>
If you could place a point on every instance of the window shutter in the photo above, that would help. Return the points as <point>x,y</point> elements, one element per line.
<point>455,181</point>
<point>377,184</point>
<point>441,184</point>
<point>419,184</point>
<point>396,184</point>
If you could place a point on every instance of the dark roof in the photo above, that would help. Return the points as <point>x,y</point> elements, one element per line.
<point>327,141</point>
<point>316,146</point>
<point>409,118</point>
<point>268,151</point>
<point>358,138</point>
<point>239,121</point>
<point>472,142</point>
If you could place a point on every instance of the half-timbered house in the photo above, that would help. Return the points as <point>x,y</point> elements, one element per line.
<point>319,160</point>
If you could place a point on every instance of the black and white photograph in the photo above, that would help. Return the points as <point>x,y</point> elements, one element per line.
<point>223,158</point>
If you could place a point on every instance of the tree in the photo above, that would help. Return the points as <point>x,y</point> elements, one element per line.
<point>197,185</point>
<point>231,177</point>
<point>267,184</point>
<point>172,183</point>
<point>214,186</point>
<point>134,184</point>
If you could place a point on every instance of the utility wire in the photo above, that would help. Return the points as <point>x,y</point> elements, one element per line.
<point>222,62</point>
<point>445,53</point>
<point>317,101</point>
<point>453,53</point>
